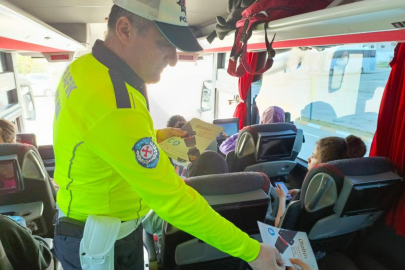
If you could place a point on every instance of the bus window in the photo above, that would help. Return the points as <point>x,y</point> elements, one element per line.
<point>254,111</point>
<point>43,78</point>
<point>332,92</point>
<point>185,89</point>
<point>226,104</point>
<point>3,64</point>
<point>206,96</point>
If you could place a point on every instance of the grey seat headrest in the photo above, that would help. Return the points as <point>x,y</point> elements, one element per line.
<point>226,184</point>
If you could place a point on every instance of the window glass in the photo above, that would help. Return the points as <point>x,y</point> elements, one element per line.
<point>329,92</point>
<point>181,90</point>
<point>226,60</point>
<point>3,100</point>
<point>227,103</point>
<point>39,79</point>
<point>254,112</point>
<point>3,64</point>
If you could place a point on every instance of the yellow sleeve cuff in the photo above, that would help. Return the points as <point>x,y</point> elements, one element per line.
<point>252,250</point>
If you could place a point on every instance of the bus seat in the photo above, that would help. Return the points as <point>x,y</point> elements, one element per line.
<point>36,184</point>
<point>149,244</point>
<point>239,197</point>
<point>213,146</point>
<point>209,162</point>
<point>268,148</point>
<point>12,245</point>
<point>339,198</point>
<point>4,262</point>
<point>28,138</point>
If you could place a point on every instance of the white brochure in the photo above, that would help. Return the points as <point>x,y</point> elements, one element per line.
<point>290,244</point>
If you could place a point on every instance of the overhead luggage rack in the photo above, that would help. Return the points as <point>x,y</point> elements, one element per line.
<point>360,22</point>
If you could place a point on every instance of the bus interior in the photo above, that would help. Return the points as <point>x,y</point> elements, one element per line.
<point>329,76</point>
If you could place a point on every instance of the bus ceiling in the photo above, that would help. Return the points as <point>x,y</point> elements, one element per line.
<point>359,22</point>
<point>25,33</point>
<point>67,25</point>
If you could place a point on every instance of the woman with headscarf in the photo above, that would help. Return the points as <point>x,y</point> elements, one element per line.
<point>272,114</point>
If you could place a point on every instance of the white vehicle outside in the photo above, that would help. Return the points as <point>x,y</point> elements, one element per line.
<point>43,84</point>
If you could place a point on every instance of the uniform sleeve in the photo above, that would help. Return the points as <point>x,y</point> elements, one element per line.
<point>126,140</point>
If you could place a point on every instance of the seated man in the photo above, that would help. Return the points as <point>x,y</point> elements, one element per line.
<point>23,250</point>
<point>326,149</point>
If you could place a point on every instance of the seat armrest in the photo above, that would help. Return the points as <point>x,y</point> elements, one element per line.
<point>49,242</point>
<point>149,244</point>
<point>230,157</point>
<point>290,217</point>
<point>4,262</point>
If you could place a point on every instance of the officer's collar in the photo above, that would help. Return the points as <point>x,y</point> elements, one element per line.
<point>112,61</point>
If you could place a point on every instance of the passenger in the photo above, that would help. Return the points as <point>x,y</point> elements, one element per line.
<point>23,250</point>
<point>326,150</point>
<point>176,121</point>
<point>7,135</point>
<point>272,114</point>
<point>8,131</point>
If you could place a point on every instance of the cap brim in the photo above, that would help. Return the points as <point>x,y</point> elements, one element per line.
<point>180,36</point>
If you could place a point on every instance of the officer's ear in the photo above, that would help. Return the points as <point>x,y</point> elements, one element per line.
<point>124,29</point>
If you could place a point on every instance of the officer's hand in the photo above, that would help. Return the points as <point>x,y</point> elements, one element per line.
<point>166,133</point>
<point>269,259</point>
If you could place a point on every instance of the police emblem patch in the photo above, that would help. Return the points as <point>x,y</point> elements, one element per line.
<point>146,153</point>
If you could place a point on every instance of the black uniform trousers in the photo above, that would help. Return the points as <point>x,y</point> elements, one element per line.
<point>128,251</point>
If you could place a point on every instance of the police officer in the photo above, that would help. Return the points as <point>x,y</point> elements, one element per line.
<point>108,162</point>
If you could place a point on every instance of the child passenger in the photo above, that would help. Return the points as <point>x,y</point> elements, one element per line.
<point>326,149</point>
<point>7,131</point>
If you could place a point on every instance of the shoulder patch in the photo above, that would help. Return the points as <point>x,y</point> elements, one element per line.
<point>146,153</point>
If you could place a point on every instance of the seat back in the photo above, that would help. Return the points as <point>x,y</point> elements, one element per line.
<point>268,148</point>
<point>28,138</point>
<point>36,182</point>
<point>4,262</point>
<point>239,197</point>
<point>341,197</point>
<point>209,162</point>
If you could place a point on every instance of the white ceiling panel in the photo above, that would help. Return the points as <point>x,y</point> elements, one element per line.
<point>70,14</point>
<point>200,12</point>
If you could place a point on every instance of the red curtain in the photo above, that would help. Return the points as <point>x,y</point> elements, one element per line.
<point>389,139</point>
<point>244,86</point>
